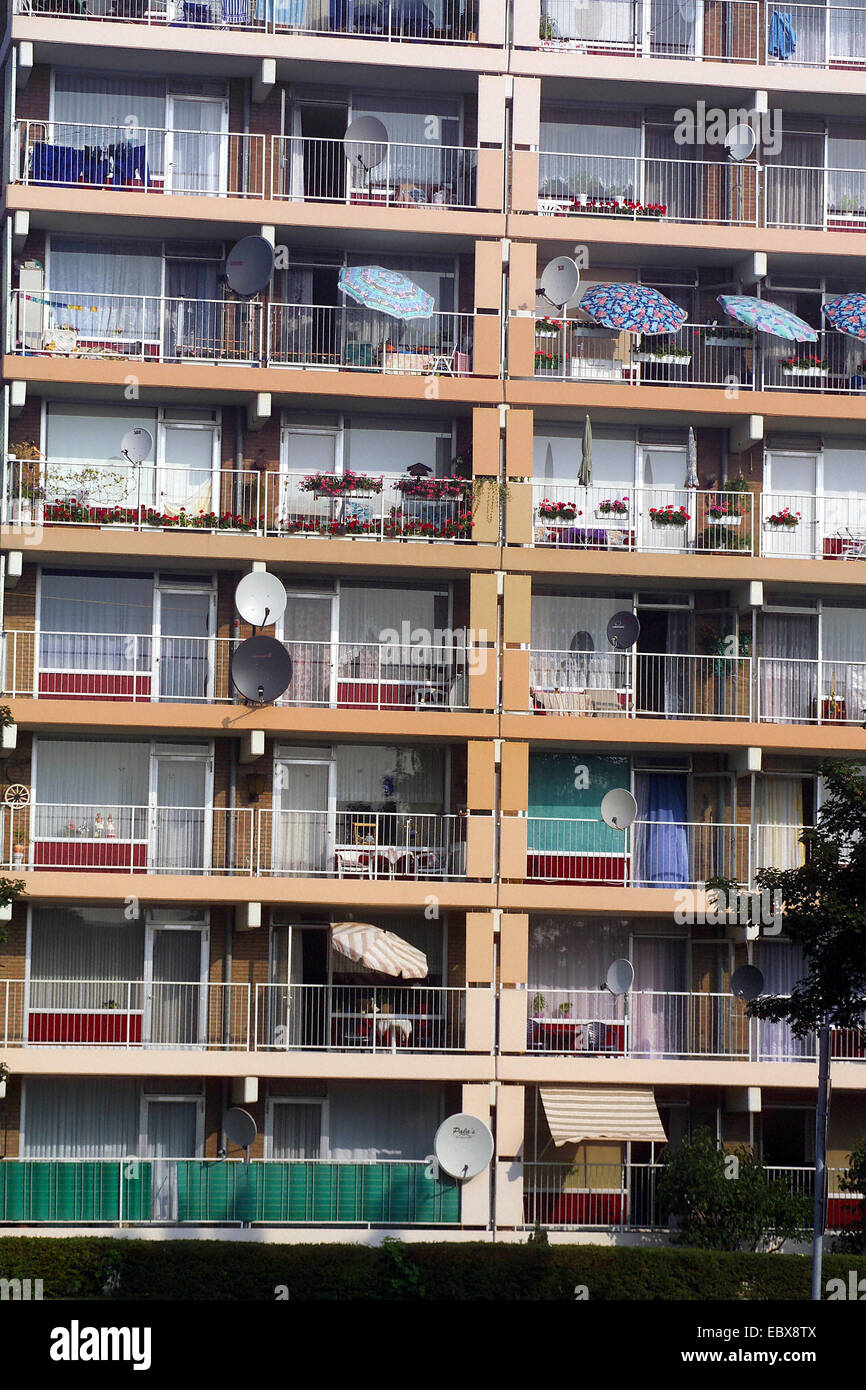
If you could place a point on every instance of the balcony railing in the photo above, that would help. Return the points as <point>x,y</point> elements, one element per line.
<point>640,683</point>
<point>668,1024</point>
<point>728,31</point>
<point>318,335</point>
<point>361,844</point>
<point>823,691</point>
<point>268,1192</point>
<point>614,1196</point>
<point>307,169</point>
<point>678,190</point>
<point>680,519</point>
<point>142,159</point>
<point>419,1018</point>
<point>448,21</point>
<point>192,670</point>
<point>201,1015</point>
<point>652,854</point>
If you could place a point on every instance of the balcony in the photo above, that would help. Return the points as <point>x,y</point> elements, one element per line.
<point>652,854</point>
<point>309,169</point>
<point>380,845</point>
<point>398,21</point>
<point>788,691</point>
<point>727,31</point>
<point>269,1192</point>
<point>67,492</point>
<point>195,670</point>
<point>348,337</point>
<point>628,186</point>
<point>622,1196</point>
<point>668,1024</point>
<point>208,1016</point>
<point>637,684</point>
<point>183,163</point>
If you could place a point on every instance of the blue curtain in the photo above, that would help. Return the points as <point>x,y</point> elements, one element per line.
<point>661,849</point>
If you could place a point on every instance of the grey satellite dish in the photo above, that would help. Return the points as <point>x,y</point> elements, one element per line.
<point>581,642</point>
<point>620,976</point>
<point>366,143</point>
<point>239,1127</point>
<point>260,598</point>
<point>249,266</point>
<point>136,444</point>
<point>261,670</point>
<point>559,281</point>
<point>623,630</point>
<point>463,1146</point>
<point>618,808</point>
<point>740,142</point>
<point>747,982</point>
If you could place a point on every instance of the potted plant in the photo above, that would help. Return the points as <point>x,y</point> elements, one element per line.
<point>669,516</point>
<point>339,484</point>
<point>538,1005</point>
<point>783,518</point>
<point>546,361</point>
<point>558,511</point>
<point>547,30</point>
<point>564,1010</point>
<point>681,357</point>
<point>804,364</point>
<point>548,328</point>
<point>613,506</point>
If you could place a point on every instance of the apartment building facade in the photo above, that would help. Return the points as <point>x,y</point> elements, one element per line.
<point>456,711</point>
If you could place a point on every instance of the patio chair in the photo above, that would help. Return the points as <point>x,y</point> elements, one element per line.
<point>853,545</point>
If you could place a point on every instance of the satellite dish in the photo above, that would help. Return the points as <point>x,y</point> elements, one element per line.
<point>261,669</point>
<point>620,976</point>
<point>366,143</point>
<point>559,281</point>
<point>239,1127</point>
<point>581,642</point>
<point>249,265</point>
<point>463,1146</point>
<point>623,630</point>
<point>618,809</point>
<point>740,142</point>
<point>747,982</point>
<point>260,598</point>
<point>136,444</point>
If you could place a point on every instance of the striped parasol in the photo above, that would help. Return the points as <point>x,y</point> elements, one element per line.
<point>378,950</point>
<point>386,290</point>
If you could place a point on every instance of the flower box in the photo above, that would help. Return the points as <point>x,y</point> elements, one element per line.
<point>741,340</point>
<point>668,357</point>
<point>723,520</point>
<point>805,371</point>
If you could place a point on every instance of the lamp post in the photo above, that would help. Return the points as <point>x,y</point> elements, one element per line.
<point>819,1210</point>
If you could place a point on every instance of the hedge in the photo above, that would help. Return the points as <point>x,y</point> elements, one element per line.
<point>88,1267</point>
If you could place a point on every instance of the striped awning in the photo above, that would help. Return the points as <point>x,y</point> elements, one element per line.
<point>576,1113</point>
<point>378,950</point>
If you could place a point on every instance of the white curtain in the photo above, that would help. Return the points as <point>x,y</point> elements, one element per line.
<point>782,965</point>
<point>301,830</point>
<point>296,159</point>
<point>780,818</point>
<point>296,1130</point>
<point>91,1117</point>
<point>794,182</point>
<point>82,102</point>
<point>99,613</point>
<point>380,445</point>
<point>179,842</point>
<point>677,677</point>
<point>843,651</point>
<point>105,289</point>
<point>370,1123</point>
<point>789,674</point>
<point>411,778</point>
<point>560,621</point>
<point>75,781</point>
<point>198,147</point>
<point>658,1012</point>
<point>848,31</point>
<point>574,955</point>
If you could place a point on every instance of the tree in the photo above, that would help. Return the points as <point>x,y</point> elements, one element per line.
<point>853,1180</point>
<point>724,1199</point>
<point>824,908</point>
<point>10,889</point>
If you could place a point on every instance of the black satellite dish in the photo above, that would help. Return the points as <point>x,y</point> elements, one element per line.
<point>623,630</point>
<point>419,470</point>
<point>581,642</point>
<point>261,669</point>
<point>249,266</point>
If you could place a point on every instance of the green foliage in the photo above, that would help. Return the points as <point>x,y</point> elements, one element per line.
<point>6,718</point>
<point>853,1180</point>
<point>99,1268</point>
<point>10,889</point>
<point>723,1200</point>
<point>825,910</point>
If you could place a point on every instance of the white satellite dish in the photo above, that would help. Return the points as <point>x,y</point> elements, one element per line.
<point>740,142</point>
<point>463,1146</point>
<point>136,444</point>
<point>618,809</point>
<point>366,143</point>
<point>620,976</point>
<point>260,598</point>
<point>747,982</point>
<point>559,281</point>
<point>239,1127</point>
<point>249,266</point>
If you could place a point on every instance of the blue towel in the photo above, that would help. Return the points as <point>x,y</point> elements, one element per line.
<point>781,35</point>
<point>236,12</point>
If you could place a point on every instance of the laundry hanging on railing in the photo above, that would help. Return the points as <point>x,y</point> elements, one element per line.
<point>119,165</point>
<point>781,35</point>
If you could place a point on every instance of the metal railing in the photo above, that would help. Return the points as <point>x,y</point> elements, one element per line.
<point>391,513</point>
<point>149,328</point>
<point>338,675</point>
<point>337,1017</point>
<point>640,683</point>
<point>182,162</point>
<point>635,188</point>
<point>349,336</point>
<point>829,526</point>
<point>622,1196</point>
<point>726,32</point>
<point>105,838</point>
<point>568,516</point>
<point>652,854</point>
<point>360,844</point>
<point>269,1192</point>
<point>824,36</point>
<point>394,20</point>
<point>821,691</point>
<point>309,169</point>
<point>186,1014</point>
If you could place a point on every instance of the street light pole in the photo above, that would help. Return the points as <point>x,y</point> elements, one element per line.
<point>819,1211</point>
